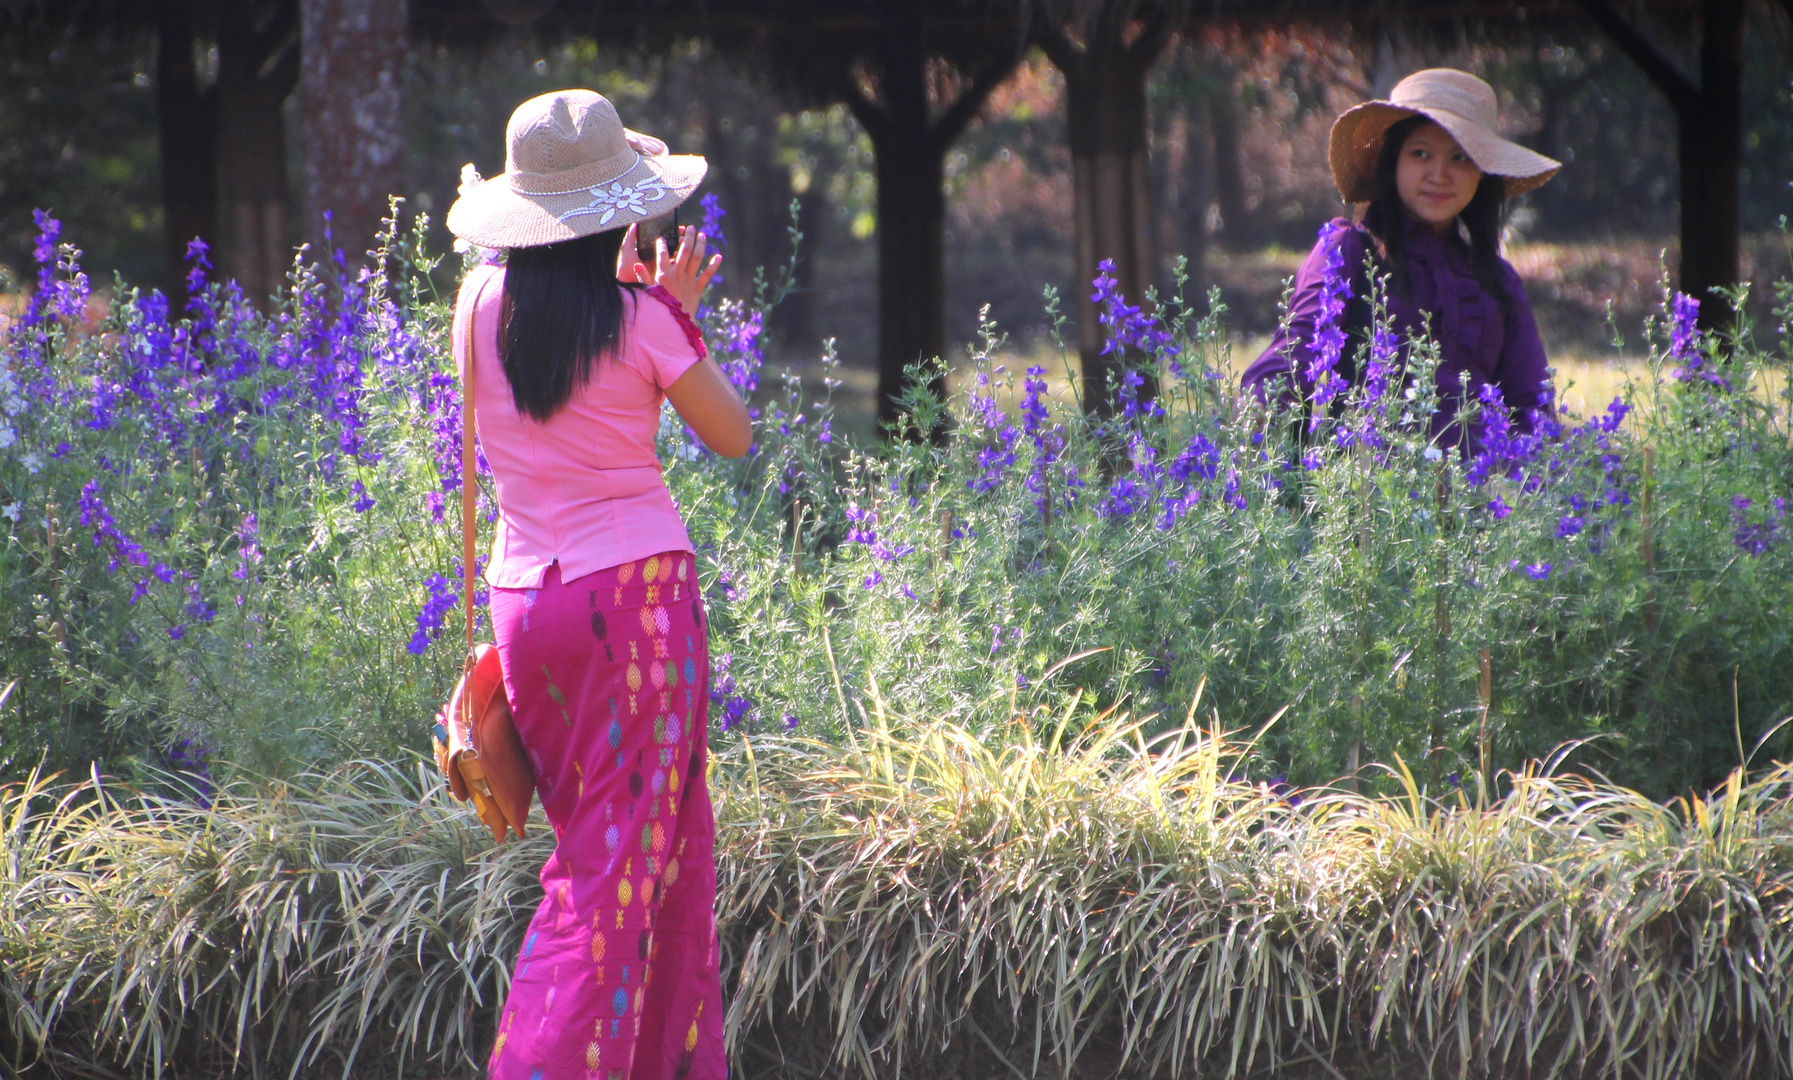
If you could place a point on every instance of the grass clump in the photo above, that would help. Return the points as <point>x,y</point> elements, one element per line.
<point>1053,895</point>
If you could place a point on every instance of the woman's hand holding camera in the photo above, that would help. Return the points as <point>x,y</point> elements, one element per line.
<point>684,273</point>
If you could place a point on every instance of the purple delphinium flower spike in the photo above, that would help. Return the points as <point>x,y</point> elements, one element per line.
<point>1328,342</point>
<point>1127,326</point>
<point>1048,441</point>
<point>1686,344</point>
<point>106,533</point>
<point>863,529</point>
<point>1757,535</point>
<point>993,461</point>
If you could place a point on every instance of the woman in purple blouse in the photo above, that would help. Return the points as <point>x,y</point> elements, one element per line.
<point>1430,178</point>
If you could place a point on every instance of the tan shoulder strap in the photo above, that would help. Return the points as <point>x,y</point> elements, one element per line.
<point>462,338</point>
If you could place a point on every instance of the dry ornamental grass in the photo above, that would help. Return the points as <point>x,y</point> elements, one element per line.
<point>1055,895</point>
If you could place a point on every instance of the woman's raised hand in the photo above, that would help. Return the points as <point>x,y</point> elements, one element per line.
<point>683,273</point>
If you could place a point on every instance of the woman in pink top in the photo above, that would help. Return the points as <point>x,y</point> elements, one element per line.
<point>595,603</point>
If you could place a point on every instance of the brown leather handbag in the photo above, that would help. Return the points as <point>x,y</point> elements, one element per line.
<point>475,738</point>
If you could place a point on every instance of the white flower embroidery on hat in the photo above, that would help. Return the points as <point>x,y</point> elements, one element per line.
<point>608,200</point>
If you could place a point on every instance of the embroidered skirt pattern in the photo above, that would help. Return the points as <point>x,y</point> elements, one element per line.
<point>617,978</point>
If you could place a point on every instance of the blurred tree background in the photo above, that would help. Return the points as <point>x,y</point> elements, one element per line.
<point>1238,120</point>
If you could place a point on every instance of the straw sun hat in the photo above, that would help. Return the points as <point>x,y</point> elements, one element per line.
<point>570,169</point>
<point>1459,103</point>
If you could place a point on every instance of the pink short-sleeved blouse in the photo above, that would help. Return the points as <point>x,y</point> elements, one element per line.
<point>583,489</point>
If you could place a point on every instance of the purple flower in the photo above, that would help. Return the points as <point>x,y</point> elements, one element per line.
<point>790,719</point>
<point>363,502</point>
<point>863,529</point>
<point>711,228</point>
<point>1686,344</point>
<point>1124,496</point>
<point>1048,440</point>
<point>106,533</point>
<point>248,552</point>
<point>1684,330</point>
<point>200,267</point>
<point>731,706</point>
<point>1568,526</point>
<point>1499,509</point>
<point>1538,571</point>
<point>1131,407</point>
<point>1753,534</point>
<point>992,460</point>
<point>442,597</point>
<point>1231,493</point>
<point>1128,327</point>
<point>193,758</point>
<point>196,607</point>
<point>62,289</point>
<point>712,224</point>
<point>1328,342</point>
<point>739,350</point>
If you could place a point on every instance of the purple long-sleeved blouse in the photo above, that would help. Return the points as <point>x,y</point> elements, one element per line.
<point>1473,332</point>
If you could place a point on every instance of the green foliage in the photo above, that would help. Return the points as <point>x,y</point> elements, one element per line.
<point>228,534</point>
<point>215,526</point>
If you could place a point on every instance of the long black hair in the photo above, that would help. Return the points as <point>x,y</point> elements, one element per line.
<point>562,311</point>
<point>1386,219</point>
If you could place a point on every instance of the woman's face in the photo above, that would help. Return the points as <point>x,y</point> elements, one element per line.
<point>1434,176</point>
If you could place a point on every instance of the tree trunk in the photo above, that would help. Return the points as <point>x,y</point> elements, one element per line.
<point>258,65</point>
<point>1229,172</point>
<point>1194,194</point>
<point>352,58</point>
<point>1109,133</point>
<point>1709,116</point>
<point>187,126</point>
<point>795,319</point>
<point>911,262</point>
<point>910,141</point>
<point>1711,152</point>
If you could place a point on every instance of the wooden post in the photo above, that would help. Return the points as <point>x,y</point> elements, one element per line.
<point>188,129</point>
<point>58,629</point>
<point>946,559</point>
<point>1651,616</point>
<point>1709,118</point>
<point>1441,612</point>
<point>796,538</point>
<point>1487,695</point>
<point>910,137</point>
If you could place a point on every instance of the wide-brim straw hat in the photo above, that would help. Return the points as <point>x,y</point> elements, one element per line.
<point>1456,101</point>
<point>570,169</point>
